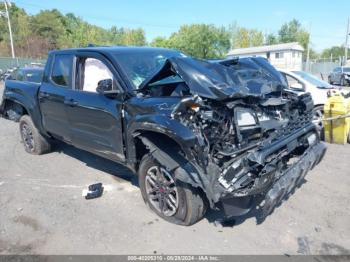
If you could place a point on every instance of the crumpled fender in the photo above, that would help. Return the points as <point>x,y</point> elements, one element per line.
<point>163,125</point>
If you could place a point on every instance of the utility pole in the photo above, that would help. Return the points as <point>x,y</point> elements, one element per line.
<point>346,41</point>
<point>9,25</point>
<point>308,50</point>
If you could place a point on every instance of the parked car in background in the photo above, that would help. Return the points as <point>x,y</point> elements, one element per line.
<point>340,75</point>
<point>319,90</point>
<point>27,74</point>
<point>7,73</point>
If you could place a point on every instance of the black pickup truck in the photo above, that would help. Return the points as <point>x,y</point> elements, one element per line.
<point>222,134</point>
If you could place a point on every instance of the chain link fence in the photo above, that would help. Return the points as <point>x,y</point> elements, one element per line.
<point>8,62</point>
<point>321,67</point>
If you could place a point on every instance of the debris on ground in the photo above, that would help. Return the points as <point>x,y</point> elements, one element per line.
<point>94,191</point>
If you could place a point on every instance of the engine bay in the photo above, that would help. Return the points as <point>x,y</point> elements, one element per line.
<point>234,134</point>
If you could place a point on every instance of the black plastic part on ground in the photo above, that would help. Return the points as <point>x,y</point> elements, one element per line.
<point>96,190</point>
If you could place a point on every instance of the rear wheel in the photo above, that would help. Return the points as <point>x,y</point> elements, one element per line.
<point>172,200</point>
<point>330,80</point>
<point>34,143</point>
<point>342,81</point>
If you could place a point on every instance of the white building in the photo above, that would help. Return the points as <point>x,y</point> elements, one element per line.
<point>282,56</point>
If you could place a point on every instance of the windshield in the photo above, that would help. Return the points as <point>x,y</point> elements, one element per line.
<point>312,79</point>
<point>346,69</point>
<point>138,66</point>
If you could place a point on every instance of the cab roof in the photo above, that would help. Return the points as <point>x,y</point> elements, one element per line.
<point>113,49</point>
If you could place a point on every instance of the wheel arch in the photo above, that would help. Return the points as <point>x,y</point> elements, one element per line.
<point>172,155</point>
<point>147,141</point>
<point>17,106</point>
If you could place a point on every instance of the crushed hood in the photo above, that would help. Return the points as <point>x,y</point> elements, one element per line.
<point>224,79</point>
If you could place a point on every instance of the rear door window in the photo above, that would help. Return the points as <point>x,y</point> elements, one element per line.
<point>62,70</point>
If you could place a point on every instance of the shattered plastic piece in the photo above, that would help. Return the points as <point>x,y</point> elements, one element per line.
<point>95,190</point>
<point>95,187</point>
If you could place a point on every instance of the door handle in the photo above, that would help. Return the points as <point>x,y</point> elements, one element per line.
<point>70,102</point>
<point>44,95</point>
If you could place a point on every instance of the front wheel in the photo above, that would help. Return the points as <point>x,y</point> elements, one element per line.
<point>172,200</point>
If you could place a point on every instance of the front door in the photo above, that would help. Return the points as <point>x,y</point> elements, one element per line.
<point>94,119</point>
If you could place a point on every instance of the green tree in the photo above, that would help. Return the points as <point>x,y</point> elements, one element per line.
<point>20,30</point>
<point>116,35</point>
<point>293,32</point>
<point>271,39</point>
<point>242,37</point>
<point>233,31</point>
<point>201,40</point>
<point>334,52</point>
<point>135,37</point>
<point>314,54</point>
<point>50,25</point>
<point>161,42</point>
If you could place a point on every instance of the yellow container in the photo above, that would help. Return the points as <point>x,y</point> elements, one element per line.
<point>336,131</point>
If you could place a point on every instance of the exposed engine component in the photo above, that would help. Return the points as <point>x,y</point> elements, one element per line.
<point>236,137</point>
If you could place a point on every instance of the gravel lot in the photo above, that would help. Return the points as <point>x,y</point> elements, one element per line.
<point>42,210</point>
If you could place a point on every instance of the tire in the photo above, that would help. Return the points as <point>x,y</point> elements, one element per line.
<point>189,205</point>
<point>330,80</point>
<point>342,81</point>
<point>34,143</point>
<point>318,115</point>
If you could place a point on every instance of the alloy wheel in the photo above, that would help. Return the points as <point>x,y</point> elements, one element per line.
<point>28,138</point>
<point>161,191</point>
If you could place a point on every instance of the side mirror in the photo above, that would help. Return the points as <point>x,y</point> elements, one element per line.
<point>105,87</point>
<point>297,86</point>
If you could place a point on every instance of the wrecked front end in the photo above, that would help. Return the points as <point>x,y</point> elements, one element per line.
<point>255,139</point>
<point>248,150</point>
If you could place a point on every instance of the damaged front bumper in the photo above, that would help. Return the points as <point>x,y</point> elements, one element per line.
<point>262,205</point>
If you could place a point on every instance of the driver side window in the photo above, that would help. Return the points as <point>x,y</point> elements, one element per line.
<point>92,72</point>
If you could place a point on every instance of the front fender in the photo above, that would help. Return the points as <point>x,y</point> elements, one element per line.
<point>161,124</point>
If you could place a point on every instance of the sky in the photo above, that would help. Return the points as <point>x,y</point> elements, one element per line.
<point>326,20</point>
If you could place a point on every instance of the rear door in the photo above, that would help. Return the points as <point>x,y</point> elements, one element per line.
<point>52,96</point>
<point>94,119</point>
